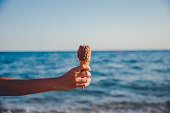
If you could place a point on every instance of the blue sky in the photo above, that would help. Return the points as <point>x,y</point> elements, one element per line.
<point>31,25</point>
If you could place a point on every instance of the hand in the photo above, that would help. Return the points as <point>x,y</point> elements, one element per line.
<point>72,79</point>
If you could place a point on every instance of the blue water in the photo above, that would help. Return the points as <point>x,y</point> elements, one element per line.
<point>122,82</point>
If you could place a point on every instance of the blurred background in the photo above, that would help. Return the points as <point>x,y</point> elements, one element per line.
<point>130,63</point>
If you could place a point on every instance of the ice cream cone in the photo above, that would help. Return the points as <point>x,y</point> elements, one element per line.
<point>84,63</point>
<point>84,55</point>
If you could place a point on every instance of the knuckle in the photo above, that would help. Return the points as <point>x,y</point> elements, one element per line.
<point>89,79</point>
<point>79,74</point>
<point>85,80</point>
<point>89,74</point>
<point>82,74</point>
<point>77,85</point>
<point>77,81</point>
<point>82,66</point>
<point>76,74</point>
<point>86,85</point>
<point>86,72</point>
<point>88,67</point>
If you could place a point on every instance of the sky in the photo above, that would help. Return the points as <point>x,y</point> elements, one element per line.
<point>63,25</point>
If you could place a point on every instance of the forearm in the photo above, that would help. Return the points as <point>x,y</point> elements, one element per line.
<point>17,87</point>
<point>72,79</point>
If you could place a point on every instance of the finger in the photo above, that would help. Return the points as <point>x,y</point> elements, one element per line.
<point>86,84</point>
<point>83,74</point>
<point>82,67</point>
<point>83,84</point>
<point>83,80</point>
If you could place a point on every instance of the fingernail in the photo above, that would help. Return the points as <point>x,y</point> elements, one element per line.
<point>88,74</point>
<point>88,80</point>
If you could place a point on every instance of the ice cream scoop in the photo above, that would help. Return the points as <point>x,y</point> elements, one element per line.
<point>84,55</point>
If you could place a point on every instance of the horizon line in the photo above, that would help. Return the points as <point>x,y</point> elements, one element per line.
<point>92,50</point>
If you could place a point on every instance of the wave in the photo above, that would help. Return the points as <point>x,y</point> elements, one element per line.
<point>121,107</point>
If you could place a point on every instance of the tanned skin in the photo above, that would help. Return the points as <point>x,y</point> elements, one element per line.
<point>71,80</point>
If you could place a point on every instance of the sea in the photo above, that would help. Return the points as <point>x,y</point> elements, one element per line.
<point>122,82</point>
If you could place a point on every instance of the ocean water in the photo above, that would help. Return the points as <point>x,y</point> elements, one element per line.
<point>122,82</point>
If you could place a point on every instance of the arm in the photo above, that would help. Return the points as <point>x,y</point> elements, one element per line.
<point>70,80</point>
<point>17,87</point>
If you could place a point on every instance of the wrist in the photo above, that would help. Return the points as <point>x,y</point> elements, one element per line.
<point>57,83</point>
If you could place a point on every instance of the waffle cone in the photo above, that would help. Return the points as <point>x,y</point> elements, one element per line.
<point>84,63</point>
